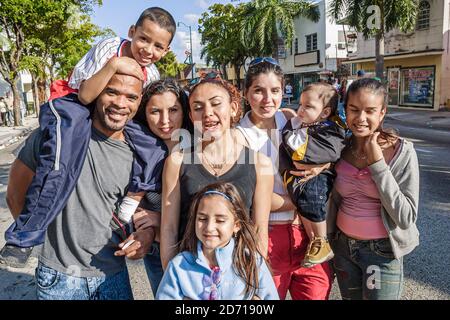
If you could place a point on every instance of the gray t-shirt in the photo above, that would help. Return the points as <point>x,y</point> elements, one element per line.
<point>79,241</point>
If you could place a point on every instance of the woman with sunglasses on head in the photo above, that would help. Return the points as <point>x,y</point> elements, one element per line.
<point>219,257</point>
<point>165,110</point>
<point>217,156</point>
<point>288,241</point>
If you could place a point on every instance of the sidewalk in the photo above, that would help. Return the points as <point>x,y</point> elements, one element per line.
<point>439,120</point>
<point>10,135</point>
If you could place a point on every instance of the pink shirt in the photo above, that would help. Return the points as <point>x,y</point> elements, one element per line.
<point>359,214</point>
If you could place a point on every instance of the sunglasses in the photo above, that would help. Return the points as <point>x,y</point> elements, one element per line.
<point>212,75</point>
<point>210,283</point>
<point>257,61</point>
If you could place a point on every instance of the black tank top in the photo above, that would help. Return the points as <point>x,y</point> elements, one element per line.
<point>194,177</point>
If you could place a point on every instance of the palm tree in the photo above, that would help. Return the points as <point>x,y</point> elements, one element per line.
<point>169,67</point>
<point>361,15</point>
<point>265,19</point>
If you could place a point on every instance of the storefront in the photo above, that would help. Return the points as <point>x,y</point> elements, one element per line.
<point>417,87</point>
<point>413,80</point>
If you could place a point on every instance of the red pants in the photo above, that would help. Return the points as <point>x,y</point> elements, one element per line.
<point>287,248</point>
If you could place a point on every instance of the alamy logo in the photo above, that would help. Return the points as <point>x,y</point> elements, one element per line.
<point>74,281</point>
<point>374,280</point>
<point>374,20</point>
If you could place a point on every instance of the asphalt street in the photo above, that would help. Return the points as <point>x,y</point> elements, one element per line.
<point>426,269</point>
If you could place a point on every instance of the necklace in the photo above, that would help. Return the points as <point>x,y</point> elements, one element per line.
<point>355,154</point>
<point>216,167</point>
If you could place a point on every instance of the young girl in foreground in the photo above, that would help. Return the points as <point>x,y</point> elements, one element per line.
<point>219,258</point>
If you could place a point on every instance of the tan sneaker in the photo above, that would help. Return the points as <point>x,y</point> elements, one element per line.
<point>319,251</point>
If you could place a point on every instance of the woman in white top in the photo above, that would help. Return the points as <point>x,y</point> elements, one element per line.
<point>261,128</point>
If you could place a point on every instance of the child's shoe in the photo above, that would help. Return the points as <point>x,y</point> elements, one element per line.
<point>319,251</point>
<point>15,257</point>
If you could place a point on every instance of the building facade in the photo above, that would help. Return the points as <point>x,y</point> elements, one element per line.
<point>317,50</point>
<point>417,64</point>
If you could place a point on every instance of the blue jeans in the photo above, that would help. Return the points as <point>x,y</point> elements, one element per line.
<point>153,266</point>
<point>54,285</point>
<point>366,269</point>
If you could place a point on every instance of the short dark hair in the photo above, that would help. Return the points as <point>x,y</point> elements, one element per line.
<point>327,93</point>
<point>160,16</point>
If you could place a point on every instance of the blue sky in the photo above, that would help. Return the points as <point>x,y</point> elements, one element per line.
<point>118,15</point>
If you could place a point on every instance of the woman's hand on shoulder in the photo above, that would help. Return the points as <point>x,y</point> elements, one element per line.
<point>288,113</point>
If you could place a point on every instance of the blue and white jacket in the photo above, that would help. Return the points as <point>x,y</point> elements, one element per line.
<point>185,277</point>
<point>66,129</point>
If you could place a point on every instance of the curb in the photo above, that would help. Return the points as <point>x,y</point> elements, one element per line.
<point>17,137</point>
<point>425,124</point>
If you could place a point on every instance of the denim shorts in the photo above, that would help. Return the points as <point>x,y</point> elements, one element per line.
<point>311,197</point>
<point>366,269</point>
<point>55,285</point>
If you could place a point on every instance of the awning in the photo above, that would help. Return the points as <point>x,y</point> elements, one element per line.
<point>397,56</point>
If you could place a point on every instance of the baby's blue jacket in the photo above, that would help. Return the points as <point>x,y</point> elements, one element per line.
<point>183,277</point>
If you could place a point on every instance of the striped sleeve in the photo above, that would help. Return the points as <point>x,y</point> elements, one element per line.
<point>152,74</point>
<point>93,61</point>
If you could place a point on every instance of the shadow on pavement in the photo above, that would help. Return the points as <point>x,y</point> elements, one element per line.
<point>15,285</point>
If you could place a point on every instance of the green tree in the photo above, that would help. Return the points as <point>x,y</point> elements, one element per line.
<point>220,36</point>
<point>265,20</point>
<point>169,67</point>
<point>374,18</point>
<point>27,26</point>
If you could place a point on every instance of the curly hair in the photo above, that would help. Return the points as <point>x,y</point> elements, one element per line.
<point>233,92</point>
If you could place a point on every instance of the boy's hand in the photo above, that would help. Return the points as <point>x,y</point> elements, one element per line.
<point>141,245</point>
<point>372,148</point>
<point>125,65</point>
<point>144,219</point>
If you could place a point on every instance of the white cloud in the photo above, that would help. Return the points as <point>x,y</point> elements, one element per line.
<point>202,4</point>
<point>191,18</point>
<point>181,45</point>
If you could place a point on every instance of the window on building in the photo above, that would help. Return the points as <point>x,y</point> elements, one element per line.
<point>423,18</point>
<point>292,45</point>
<point>354,69</point>
<point>417,86</point>
<point>311,42</point>
<point>296,45</point>
<point>341,40</point>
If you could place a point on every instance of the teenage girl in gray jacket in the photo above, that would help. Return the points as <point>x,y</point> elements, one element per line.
<point>373,208</point>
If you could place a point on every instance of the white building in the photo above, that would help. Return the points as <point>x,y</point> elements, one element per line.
<point>317,49</point>
<point>23,84</point>
<point>417,63</point>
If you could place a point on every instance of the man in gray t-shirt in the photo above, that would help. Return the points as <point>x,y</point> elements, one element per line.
<point>81,258</point>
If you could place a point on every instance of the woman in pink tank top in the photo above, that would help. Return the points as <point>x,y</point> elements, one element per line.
<point>374,202</point>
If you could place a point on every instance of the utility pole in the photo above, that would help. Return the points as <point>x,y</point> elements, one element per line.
<point>191,58</point>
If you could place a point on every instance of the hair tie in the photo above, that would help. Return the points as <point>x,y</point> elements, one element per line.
<point>218,193</point>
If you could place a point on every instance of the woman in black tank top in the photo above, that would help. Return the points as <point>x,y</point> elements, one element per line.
<point>216,156</point>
